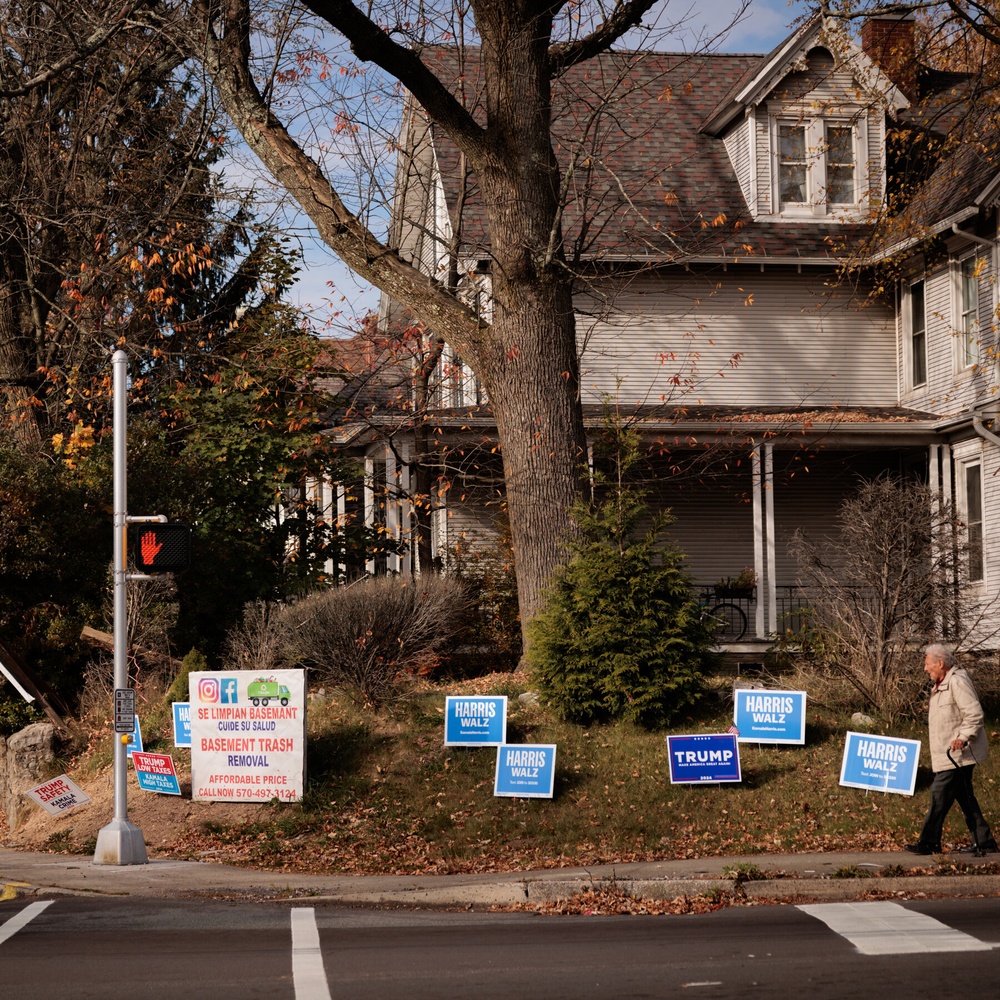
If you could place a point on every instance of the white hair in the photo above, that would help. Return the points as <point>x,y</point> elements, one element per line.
<point>939,651</point>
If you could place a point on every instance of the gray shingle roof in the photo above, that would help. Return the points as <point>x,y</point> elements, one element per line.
<point>648,182</point>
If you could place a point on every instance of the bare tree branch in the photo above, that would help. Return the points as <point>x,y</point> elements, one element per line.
<point>623,18</point>
<point>113,23</point>
<point>370,43</point>
<point>227,57</point>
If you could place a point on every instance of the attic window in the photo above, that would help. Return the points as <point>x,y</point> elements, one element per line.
<point>817,166</point>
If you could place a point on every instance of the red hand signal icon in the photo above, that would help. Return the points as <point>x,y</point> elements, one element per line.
<point>150,546</point>
<point>163,547</point>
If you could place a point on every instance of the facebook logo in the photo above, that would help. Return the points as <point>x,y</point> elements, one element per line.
<point>228,691</point>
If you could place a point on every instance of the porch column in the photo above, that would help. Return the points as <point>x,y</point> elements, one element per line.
<point>762,463</point>
<point>340,492</point>
<point>393,562</point>
<point>408,560</point>
<point>758,536</point>
<point>772,563</point>
<point>371,504</point>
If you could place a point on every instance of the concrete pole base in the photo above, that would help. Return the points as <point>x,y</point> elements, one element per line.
<point>120,843</point>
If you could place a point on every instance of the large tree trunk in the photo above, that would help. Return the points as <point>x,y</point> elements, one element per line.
<point>532,381</point>
<point>531,369</point>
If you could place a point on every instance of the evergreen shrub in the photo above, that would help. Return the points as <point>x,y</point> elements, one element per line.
<point>621,635</point>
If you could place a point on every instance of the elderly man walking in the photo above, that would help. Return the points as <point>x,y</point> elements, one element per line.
<point>958,742</point>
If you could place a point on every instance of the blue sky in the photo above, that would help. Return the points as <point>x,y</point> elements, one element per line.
<point>335,297</point>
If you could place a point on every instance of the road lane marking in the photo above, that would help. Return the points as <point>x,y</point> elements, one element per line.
<point>308,973</point>
<point>882,928</point>
<point>10,927</point>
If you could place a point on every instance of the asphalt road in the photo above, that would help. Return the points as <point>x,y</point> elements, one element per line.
<point>78,947</point>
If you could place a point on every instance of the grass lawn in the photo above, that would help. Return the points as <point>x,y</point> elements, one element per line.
<point>386,796</point>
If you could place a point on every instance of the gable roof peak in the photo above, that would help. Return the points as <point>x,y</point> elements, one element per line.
<point>791,56</point>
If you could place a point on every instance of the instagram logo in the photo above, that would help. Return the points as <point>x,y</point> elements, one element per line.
<point>208,689</point>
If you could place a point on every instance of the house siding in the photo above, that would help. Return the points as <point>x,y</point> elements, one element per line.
<point>765,181</point>
<point>713,519</point>
<point>949,389</point>
<point>671,338</point>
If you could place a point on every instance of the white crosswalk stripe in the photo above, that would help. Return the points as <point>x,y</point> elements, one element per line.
<point>882,928</point>
<point>308,972</point>
<point>10,927</point>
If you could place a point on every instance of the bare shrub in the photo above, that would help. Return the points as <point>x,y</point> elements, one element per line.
<point>361,637</point>
<point>892,580</point>
<point>261,640</point>
<point>151,611</point>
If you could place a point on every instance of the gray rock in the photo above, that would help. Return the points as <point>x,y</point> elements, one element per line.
<point>860,719</point>
<point>26,759</point>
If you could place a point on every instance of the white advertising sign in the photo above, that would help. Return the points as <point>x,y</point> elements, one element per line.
<point>248,735</point>
<point>58,795</point>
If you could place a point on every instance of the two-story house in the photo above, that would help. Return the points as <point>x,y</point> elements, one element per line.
<point>712,202</point>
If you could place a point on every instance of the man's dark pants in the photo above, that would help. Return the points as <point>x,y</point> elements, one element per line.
<point>948,787</point>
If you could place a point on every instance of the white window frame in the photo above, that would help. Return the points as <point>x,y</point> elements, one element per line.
<point>815,131</point>
<point>910,369</point>
<point>967,325</point>
<point>974,519</point>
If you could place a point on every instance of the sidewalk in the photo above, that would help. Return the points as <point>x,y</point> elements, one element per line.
<point>805,877</point>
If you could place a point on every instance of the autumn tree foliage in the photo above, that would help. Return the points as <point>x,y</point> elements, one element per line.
<point>103,187</point>
<point>117,231</point>
<point>944,55</point>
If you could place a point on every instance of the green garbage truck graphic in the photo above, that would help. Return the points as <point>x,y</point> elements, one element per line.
<point>264,689</point>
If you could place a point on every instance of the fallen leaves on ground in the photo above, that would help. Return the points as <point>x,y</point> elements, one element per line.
<point>614,901</point>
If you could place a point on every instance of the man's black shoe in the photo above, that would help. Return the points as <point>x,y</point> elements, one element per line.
<point>990,848</point>
<point>917,849</point>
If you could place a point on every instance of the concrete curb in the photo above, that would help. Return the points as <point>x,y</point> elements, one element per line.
<point>803,877</point>
<point>542,891</point>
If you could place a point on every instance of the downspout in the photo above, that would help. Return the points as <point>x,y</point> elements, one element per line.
<point>981,240</point>
<point>980,429</point>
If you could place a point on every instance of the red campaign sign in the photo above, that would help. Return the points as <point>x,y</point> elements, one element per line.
<point>52,789</point>
<point>154,763</point>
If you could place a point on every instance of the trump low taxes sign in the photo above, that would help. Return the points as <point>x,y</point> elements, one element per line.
<point>155,772</point>
<point>770,716</point>
<point>881,763</point>
<point>713,758</point>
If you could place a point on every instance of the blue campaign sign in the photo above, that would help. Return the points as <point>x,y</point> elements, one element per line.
<point>182,724</point>
<point>135,743</point>
<point>770,716</point>
<point>882,763</point>
<point>713,758</point>
<point>525,770</point>
<point>475,721</point>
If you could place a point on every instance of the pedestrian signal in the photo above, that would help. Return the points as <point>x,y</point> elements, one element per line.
<point>161,548</point>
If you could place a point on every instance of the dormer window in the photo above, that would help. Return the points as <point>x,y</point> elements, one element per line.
<point>817,167</point>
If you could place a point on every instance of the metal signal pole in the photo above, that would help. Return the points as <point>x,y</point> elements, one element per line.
<point>120,842</point>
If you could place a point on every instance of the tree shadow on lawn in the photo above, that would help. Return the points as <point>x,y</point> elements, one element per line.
<point>338,756</point>
<point>759,773</point>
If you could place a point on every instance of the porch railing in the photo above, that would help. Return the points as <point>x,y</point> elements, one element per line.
<point>791,605</point>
